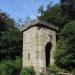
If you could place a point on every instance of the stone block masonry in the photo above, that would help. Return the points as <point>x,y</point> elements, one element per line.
<point>39,45</point>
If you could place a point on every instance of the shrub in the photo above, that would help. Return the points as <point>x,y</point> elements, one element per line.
<point>10,67</point>
<point>27,71</point>
<point>65,54</point>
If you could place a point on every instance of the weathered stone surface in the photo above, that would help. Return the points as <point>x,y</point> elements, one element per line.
<point>34,43</point>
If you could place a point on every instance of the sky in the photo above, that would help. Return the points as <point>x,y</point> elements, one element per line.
<point>20,9</point>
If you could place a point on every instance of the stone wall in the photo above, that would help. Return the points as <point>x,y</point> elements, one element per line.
<point>34,42</point>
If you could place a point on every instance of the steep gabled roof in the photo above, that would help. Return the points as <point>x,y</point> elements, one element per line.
<point>36,23</point>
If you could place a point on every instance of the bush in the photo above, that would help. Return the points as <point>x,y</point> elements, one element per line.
<point>10,67</point>
<point>65,54</point>
<point>73,71</point>
<point>27,71</point>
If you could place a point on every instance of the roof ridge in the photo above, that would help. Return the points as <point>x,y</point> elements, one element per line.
<point>35,22</point>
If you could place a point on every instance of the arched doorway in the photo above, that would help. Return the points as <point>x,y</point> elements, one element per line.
<point>47,53</point>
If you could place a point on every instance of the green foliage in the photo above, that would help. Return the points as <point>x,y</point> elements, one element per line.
<point>65,54</point>
<point>3,19</point>
<point>68,8</point>
<point>27,71</point>
<point>10,39</point>
<point>53,15</point>
<point>10,46</point>
<point>73,71</point>
<point>10,67</point>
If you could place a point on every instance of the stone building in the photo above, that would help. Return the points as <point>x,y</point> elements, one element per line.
<point>39,44</point>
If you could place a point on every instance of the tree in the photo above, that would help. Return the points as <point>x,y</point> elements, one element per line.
<point>68,8</point>
<point>53,15</point>
<point>3,19</point>
<point>41,10</point>
<point>65,54</point>
<point>10,46</point>
<point>10,39</point>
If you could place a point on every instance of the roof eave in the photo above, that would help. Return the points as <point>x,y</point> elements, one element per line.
<point>34,23</point>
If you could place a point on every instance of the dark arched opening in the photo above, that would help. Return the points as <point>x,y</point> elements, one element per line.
<point>47,52</point>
